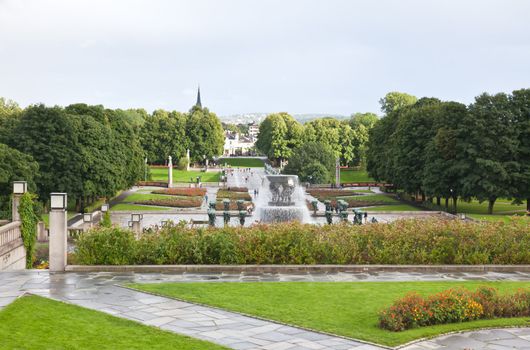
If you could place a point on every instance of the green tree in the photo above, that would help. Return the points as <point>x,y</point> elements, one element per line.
<point>396,100</point>
<point>278,135</point>
<point>313,162</point>
<point>491,148</point>
<point>520,100</point>
<point>205,132</point>
<point>368,120</point>
<point>14,166</point>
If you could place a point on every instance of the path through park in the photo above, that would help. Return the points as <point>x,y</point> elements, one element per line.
<point>102,291</point>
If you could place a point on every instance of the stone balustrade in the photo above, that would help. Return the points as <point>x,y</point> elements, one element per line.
<point>12,251</point>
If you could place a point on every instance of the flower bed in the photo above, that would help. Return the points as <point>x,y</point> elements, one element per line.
<point>237,189</point>
<point>188,192</point>
<point>192,202</point>
<point>231,194</point>
<point>401,242</point>
<point>453,305</point>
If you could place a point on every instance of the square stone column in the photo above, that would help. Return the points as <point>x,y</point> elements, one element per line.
<point>15,216</point>
<point>170,173</point>
<point>58,236</point>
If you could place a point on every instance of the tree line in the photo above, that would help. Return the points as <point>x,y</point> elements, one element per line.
<point>280,135</point>
<point>92,151</point>
<point>447,150</point>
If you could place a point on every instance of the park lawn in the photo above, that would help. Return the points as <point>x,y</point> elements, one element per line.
<point>34,322</point>
<point>46,217</point>
<point>136,207</point>
<point>379,198</point>
<point>502,206</point>
<point>391,207</point>
<point>160,174</point>
<point>349,176</point>
<point>348,309</point>
<point>242,162</point>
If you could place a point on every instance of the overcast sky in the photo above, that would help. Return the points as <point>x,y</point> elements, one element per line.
<point>305,56</point>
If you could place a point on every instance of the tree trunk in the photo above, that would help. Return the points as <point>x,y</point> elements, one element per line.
<point>446,203</point>
<point>422,196</point>
<point>491,202</point>
<point>528,204</point>
<point>455,199</point>
<point>438,201</point>
<point>78,205</point>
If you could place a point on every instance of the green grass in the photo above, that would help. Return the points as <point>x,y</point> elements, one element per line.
<point>46,217</point>
<point>242,162</point>
<point>347,309</point>
<point>502,206</point>
<point>34,322</point>
<point>396,207</point>
<point>136,207</point>
<point>348,176</point>
<point>160,174</point>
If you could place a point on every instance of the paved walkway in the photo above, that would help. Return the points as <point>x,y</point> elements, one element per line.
<point>100,291</point>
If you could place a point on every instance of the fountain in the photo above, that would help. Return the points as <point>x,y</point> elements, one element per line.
<point>281,199</point>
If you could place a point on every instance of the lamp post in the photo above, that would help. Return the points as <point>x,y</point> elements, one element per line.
<point>170,173</point>
<point>58,231</point>
<point>19,188</point>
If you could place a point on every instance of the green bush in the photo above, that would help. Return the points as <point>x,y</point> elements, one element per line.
<point>401,242</point>
<point>106,246</point>
<point>28,226</point>
<point>453,305</point>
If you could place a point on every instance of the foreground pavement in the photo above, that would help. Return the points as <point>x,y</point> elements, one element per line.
<point>101,291</point>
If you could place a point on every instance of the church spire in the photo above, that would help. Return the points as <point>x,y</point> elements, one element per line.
<point>198,97</point>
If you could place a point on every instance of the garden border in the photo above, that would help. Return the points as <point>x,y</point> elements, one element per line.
<point>290,269</point>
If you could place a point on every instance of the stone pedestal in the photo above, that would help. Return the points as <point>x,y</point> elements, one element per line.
<point>137,228</point>
<point>58,244</point>
<point>170,173</point>
<point>15,216</point>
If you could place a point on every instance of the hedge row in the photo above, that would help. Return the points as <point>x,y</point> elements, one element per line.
<point>454,305</point>
<point>401,242</point>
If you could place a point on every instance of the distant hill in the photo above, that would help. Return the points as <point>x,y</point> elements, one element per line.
<point>258,117</point>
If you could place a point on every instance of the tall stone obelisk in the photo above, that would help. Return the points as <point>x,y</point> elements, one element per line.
<point>170,173</point>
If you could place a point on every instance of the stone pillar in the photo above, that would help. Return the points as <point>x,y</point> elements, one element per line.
<point>58,244</point>
<point>136,224</point>
<point>337,172</point>
<point>170,173</point>
<point>188,159</point>
<point>15,216</point>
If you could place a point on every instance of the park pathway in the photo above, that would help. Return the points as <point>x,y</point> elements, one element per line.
<point>101,291</point>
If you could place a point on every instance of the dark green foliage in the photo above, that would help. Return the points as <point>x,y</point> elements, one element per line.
<point>313,162</point>
<point>14,166</point>
<point>279,135</point>
<point>401,242</point>
<point>445,150</point>
<point>28,226</point>
<point>205,134</point>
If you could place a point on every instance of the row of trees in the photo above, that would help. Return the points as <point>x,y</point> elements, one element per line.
<point>85,151</point>
<point>172,133</point>
<point>447,150</point>
<point>280,135</point>
<point>90,151</point>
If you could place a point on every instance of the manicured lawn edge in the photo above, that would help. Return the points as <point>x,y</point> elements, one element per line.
<point>128,286</point>
<point>115,325</point>
<point>298,268</point>
<point>471,329</point>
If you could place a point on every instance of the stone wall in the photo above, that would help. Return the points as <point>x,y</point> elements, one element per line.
<point>12,251</point>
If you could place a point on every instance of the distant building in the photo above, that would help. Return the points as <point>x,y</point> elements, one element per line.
<point>253,131</point>
<point>235,145</point>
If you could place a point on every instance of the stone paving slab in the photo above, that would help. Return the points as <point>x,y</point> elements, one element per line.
<point>99,291</point>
